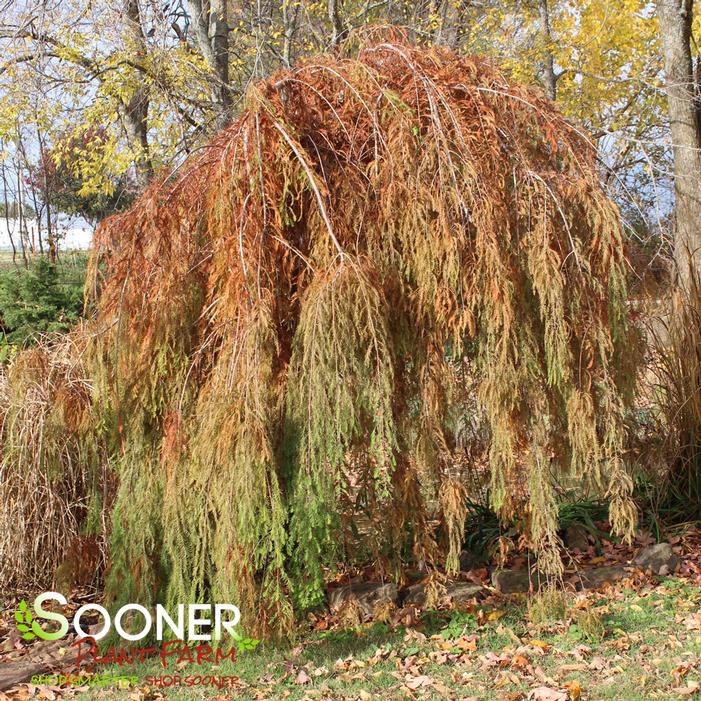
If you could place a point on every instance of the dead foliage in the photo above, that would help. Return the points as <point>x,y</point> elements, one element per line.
<point>51,469</point>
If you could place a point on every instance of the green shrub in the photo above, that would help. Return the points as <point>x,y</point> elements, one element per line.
<point>39,299</point>
<point>484,529</point>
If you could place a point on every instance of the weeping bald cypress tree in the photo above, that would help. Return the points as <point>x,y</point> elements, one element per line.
<point>286,323</point>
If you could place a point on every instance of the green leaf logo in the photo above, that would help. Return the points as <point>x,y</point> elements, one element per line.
<point>247,644</point>
<point>23,616</point>
<point>29,626</point>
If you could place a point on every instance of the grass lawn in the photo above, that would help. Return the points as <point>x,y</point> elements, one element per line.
<point>621,644</point>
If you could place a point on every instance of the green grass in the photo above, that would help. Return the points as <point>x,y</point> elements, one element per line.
<point>646,652</point>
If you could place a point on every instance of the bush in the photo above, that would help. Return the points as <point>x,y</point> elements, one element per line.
<point>52,487</point>
<point>37,300</point>
<point>486,534</point>
<point>589,626</point>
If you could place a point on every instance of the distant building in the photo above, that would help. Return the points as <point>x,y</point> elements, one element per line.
<point>72,233</point>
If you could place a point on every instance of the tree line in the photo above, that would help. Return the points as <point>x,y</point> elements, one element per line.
<point>100,95</point>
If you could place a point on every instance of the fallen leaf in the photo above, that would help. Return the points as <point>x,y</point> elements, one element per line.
<point>519,661</point>
<point>598,663</point>
<point>302,677</point>
<point>418,682</point>
<point>545,693</point>
<point>466,644</point>
<point>692,687</point>
<point>692,622</point>
<point>574,689</point>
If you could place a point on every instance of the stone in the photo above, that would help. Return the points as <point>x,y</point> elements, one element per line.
<point>462,592</point>
<point>660,558</point>
<point>14,673</point>
<point>576,538</point>
<point>516,581</point>
<point>368,595</point>
<point>597,577</point>
<point>42,657</point>
<point>468,561</point>
<point>457,593</point>
<point>414,595</point>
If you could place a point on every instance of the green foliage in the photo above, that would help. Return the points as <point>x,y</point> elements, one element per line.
<point>484,528</point>
<point>588,626</point>
<point>288,373</point>
<point>329,417</point>
<point>583,513</point>
<point>460,624</point>
<point>547,606</point>
<point>36,301</point>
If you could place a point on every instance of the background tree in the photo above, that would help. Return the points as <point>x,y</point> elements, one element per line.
<point>161,76</point>
<point>676,19</point>
<point>62,176</point>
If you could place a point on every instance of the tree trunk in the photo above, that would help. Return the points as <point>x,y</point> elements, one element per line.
<point>549,77</point>
<point>23,231</point>
<point>290,13</point>
<point>50,236</point>
<point>219,37</point>
<point>135,112</point>
<point>210,24</point>
<point>338,30</point>
<point>675,31</point>
<point>7,213</point>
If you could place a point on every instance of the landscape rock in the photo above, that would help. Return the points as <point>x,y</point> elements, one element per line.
<point>521,581</point>
<point>597,577</point>
<point>660,558</point>
<point>462,592</point>
<point>457,593</point>
<point>468,561</point>
<point>367,595</point>
<point>414,595</point>
<point>43,657</point>
<point>576,538</point>
<point>515,581</point>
